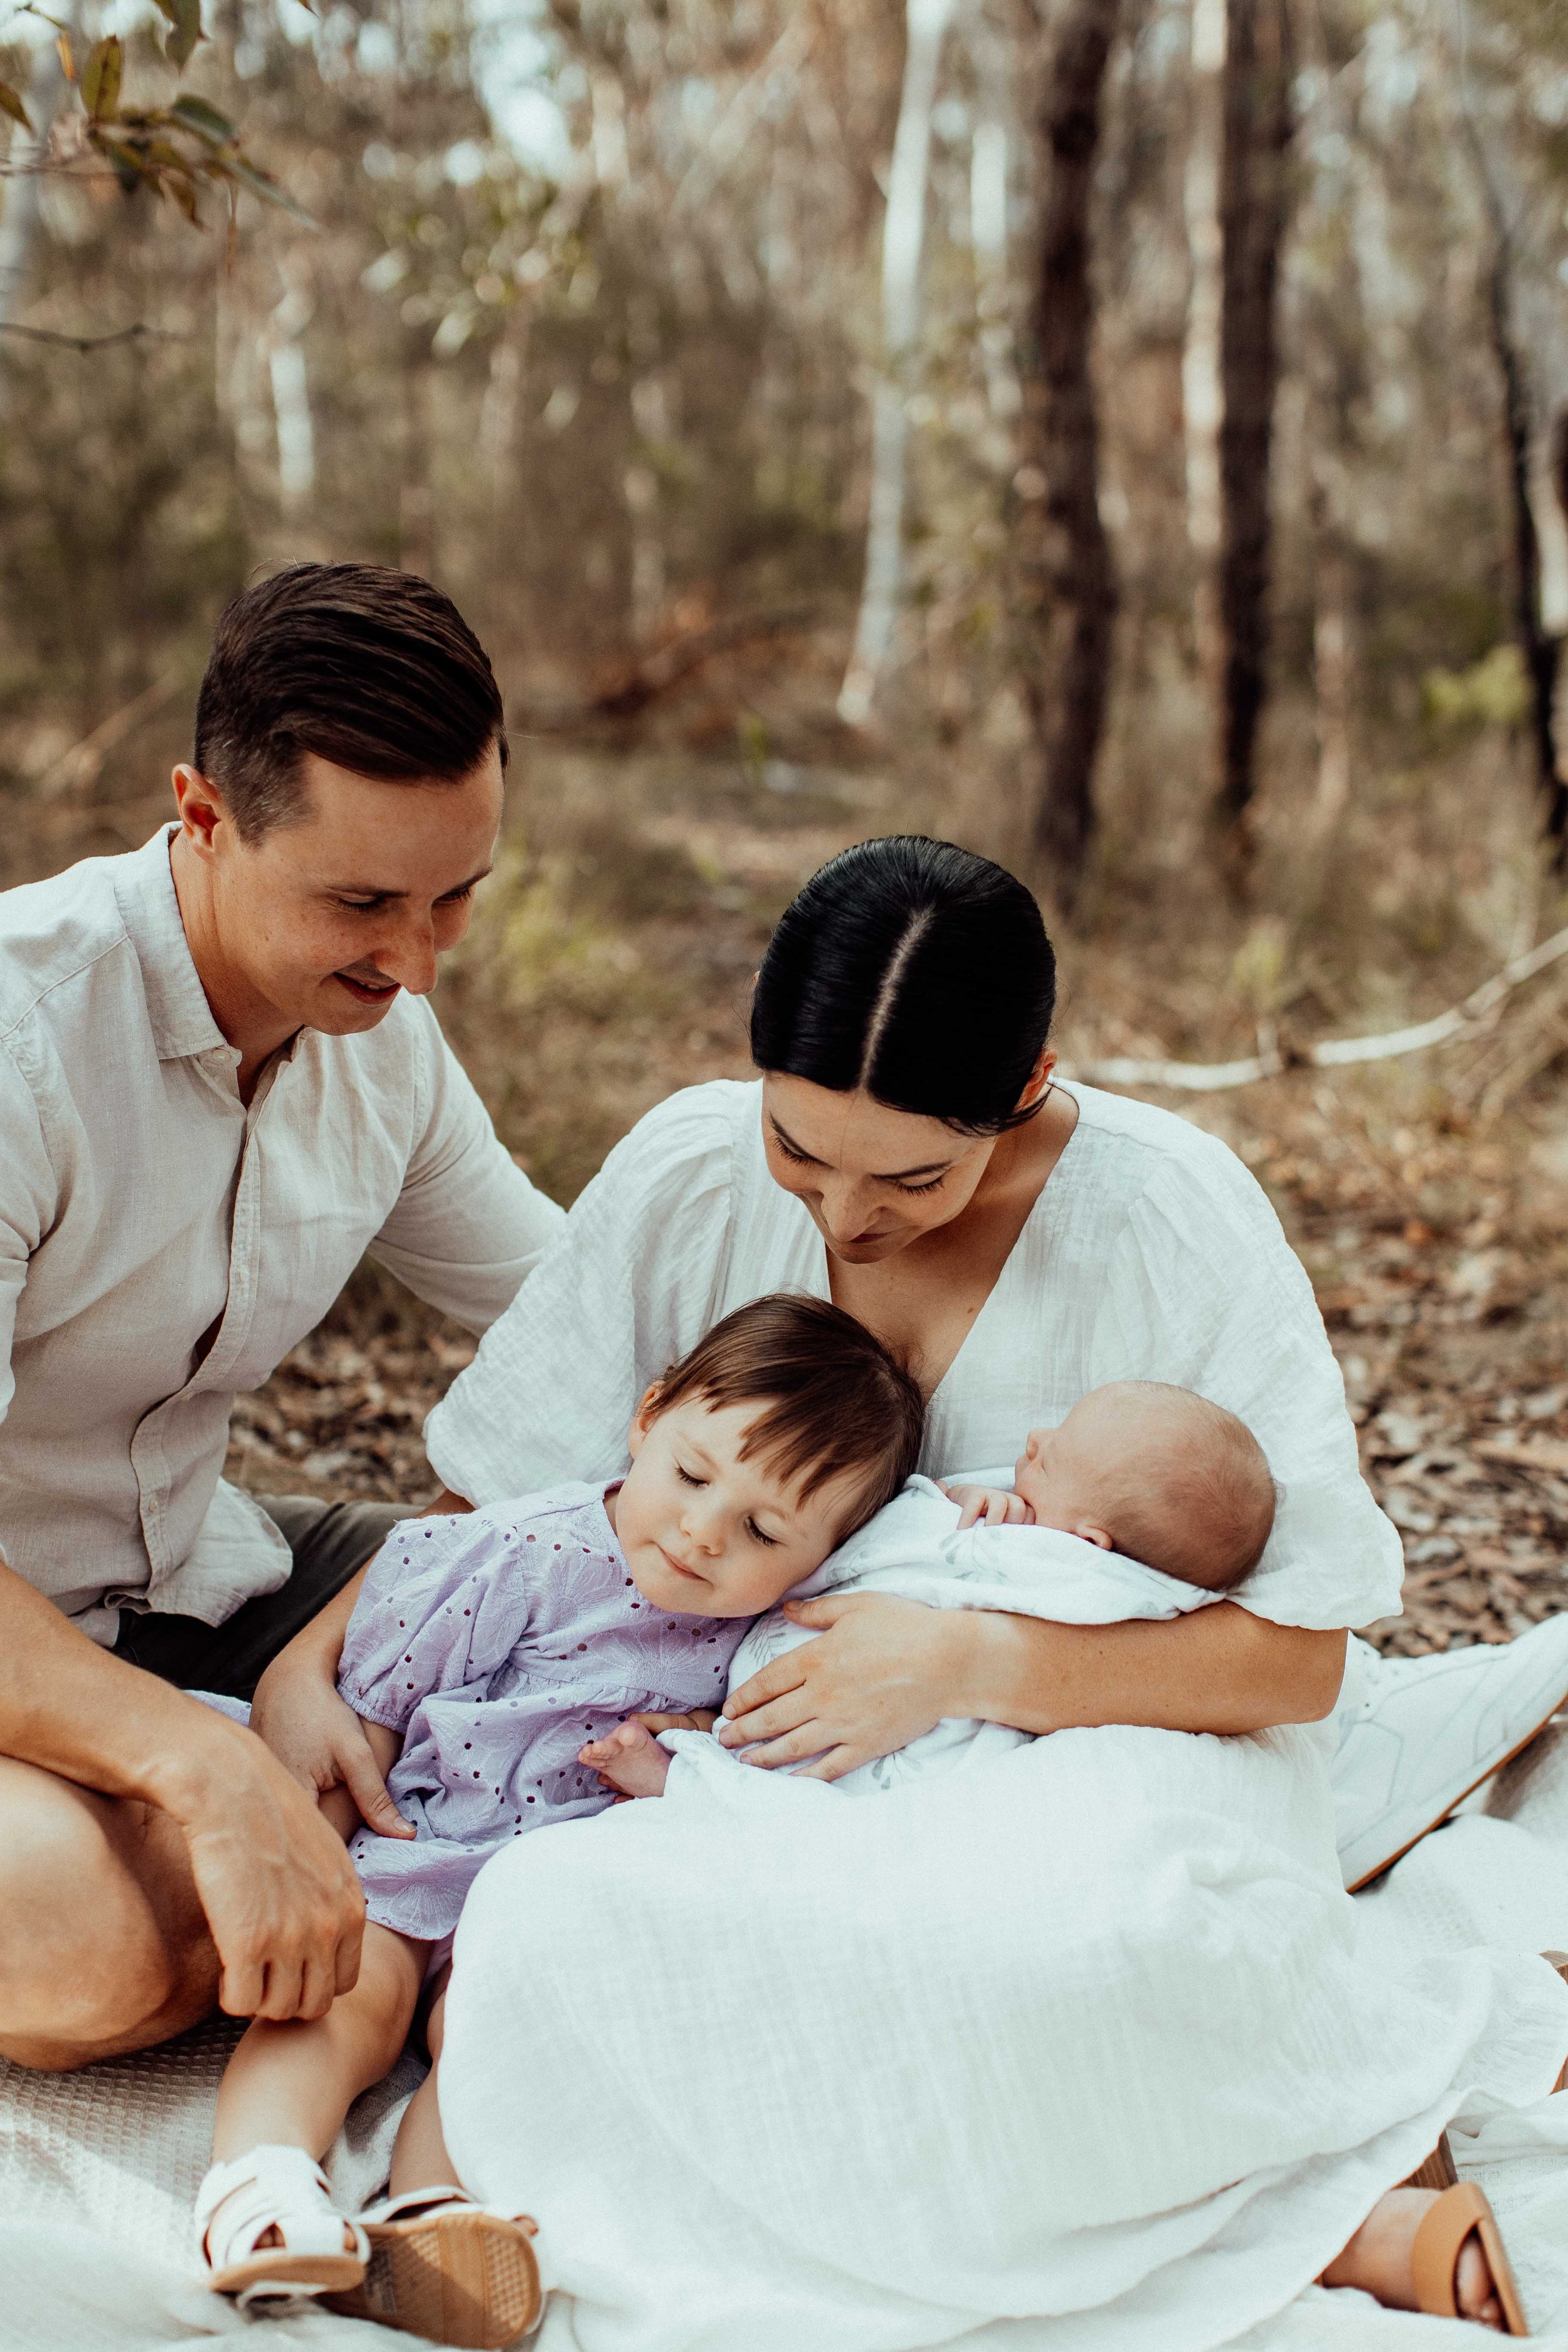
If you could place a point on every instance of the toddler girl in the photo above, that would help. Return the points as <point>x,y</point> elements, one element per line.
<point>483,1652</point>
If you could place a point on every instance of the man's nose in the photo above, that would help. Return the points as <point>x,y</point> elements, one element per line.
<point>409,957</point>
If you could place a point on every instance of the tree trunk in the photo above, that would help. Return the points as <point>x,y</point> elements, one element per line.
<point>1540,650</point>
<point>1076,577</point>
<point>1254,202</point>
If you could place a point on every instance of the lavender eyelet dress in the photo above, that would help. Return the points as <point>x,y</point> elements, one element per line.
<point>497,1642</point>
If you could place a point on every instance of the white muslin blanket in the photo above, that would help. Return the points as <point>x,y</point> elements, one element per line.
<point>1073,2039</point>
<point>914,1549</point>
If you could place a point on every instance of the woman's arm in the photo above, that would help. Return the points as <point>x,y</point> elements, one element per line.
<point>886,1670</point>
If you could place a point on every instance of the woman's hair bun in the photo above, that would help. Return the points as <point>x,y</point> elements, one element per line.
<point>914,970</point>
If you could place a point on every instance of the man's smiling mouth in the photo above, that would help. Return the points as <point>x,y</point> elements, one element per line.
<point>361,990</point>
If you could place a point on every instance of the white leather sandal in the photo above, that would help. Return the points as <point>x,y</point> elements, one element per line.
<point>444,2267</point>
<point>281,2188</point>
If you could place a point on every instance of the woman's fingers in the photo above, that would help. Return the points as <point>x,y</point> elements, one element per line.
<point>768,1685</point>
<point>834,1765</point>
<point>794,1748</point>
<point>782,1714</point>
<point>364,1784</point>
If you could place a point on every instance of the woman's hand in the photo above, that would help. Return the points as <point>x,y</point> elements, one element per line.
<point>318,1738</point>
<point>882,1674</point>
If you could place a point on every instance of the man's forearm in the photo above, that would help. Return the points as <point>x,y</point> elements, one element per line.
<point>1220,1669</point>
<point>78,1711</point>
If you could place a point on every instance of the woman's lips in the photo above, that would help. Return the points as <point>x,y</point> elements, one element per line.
<point>362,993</point>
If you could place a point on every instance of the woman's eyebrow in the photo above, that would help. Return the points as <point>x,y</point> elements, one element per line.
<point>900,1176</point>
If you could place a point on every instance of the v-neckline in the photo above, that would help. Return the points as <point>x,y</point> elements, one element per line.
<point>824,1273</point>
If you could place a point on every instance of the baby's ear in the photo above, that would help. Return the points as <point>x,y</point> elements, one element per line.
<point>1090,1533</point>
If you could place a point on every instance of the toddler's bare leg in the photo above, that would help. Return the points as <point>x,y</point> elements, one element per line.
<point>420,2157</point>
<point>292,2084</point>
<point>629,1759</point>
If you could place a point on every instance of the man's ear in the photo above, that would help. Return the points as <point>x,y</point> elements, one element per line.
<point>201,809</point>
<point>1092,1534</point>
<point>643,1419</point>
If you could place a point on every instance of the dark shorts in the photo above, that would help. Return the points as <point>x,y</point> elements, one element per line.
<point>330,1541</point>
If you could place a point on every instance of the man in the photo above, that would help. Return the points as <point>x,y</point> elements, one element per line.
<point>218,1087</point>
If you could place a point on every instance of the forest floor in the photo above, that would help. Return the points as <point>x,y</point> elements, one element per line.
<point>612,964</point>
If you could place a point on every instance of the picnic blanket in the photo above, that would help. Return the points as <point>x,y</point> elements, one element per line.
<point>98,2168</point>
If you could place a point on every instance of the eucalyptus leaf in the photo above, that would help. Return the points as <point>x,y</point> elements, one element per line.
<point>202,120</point>
<point>186,19</point>
<point>261,184</point>
<point>11,104</point>
<point>100,78</point>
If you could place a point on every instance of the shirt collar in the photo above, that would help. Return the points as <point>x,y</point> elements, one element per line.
<point>177,1007</point>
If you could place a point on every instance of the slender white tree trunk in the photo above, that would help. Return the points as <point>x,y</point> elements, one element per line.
<point>1203,396</point>
<point>988,230</point>
<point>903,240</point>
<point>291,395</point>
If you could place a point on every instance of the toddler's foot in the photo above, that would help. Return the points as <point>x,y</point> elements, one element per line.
<point>630,1760</point>
<point>446,2269</point>
<point>268,2230</point>
<point>1380,2259</point>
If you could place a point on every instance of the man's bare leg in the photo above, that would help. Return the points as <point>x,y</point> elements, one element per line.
<point>103,1944</point>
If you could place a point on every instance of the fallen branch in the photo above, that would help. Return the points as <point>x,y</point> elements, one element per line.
<point>668,666</point>
<point>1276,1055</point>
<point>138,333</point>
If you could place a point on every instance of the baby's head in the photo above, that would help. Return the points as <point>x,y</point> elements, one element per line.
<point>1158,1474</point>
<point>758,1454</point>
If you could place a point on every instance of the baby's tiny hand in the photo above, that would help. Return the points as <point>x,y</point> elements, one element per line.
<point>996,1506</point>
<point>630,1760</point>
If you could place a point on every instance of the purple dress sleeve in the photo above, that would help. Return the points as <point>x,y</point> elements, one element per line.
<point>445,1603</point>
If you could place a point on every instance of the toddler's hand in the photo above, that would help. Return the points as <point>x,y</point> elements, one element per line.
<point>996,1506</point>
<point>630,1760</point>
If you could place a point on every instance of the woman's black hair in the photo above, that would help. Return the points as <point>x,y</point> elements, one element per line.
<point>917,971</point>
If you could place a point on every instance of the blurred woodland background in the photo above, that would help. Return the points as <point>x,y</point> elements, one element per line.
<point>1129,437</point>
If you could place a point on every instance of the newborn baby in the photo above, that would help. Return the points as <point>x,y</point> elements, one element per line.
<point>1147,1501</point>
<point>1156,1472</point>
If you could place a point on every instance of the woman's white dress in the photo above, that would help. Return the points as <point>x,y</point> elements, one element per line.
<point>1069,2051</point>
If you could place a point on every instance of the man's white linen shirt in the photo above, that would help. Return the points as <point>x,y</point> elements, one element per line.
<point>163,1245</point>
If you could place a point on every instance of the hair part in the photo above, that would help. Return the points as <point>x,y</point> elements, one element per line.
<point>1196,1497</point>
<point>835,1403</point>
<point>371,668</point>
<point>917,973</point>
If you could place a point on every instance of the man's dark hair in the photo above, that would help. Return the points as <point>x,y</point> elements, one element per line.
<point>834,1402</point>
<point>371,668</point>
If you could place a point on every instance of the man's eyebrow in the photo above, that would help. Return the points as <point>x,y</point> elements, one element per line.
<point>379,889</point>
<point>899,1176</point>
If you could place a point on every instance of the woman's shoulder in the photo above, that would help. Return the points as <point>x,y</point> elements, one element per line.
<point>695,1129</point>
<point>1162,1168</point>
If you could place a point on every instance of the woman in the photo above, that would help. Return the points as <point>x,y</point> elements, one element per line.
<point>909,1153</point>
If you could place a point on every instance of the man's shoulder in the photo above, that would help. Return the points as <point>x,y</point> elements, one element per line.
<point>53,932</point>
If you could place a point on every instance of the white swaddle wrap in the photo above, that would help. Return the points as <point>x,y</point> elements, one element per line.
<point>914,1549</point>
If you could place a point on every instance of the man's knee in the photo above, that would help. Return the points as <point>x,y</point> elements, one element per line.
<point>96,1949</point>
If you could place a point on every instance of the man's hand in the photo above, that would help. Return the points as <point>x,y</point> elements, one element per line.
<point>285,1909</point>
<point>320,1740</point>
<point>998,1506</point>
<point>881,1675</point>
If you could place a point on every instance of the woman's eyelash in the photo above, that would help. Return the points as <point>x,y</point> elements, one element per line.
<point>801,1158</point>
<point>930,1187</point>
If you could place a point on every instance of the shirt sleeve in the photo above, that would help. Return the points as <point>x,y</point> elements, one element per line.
<point>445,1603</point>
<point>28,1201</point>
<point>624,1289</point>
<point>467,1226</point>
<point>1207,1292</point>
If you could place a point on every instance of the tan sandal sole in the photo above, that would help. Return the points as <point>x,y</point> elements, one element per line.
<point>282,2272</point>
<point>1458,2213</point>
<point>460,2277</point>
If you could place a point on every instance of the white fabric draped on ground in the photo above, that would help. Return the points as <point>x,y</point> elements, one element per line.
<point>98,2169</point>
<point>1125,2067</point>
